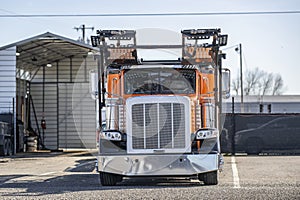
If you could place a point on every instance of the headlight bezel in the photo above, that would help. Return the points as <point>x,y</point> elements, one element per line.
<point>203,134</point>
<point>111,135</point>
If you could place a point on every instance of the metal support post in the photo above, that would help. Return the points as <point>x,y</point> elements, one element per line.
<point>233,129</point>
<point>241,78</point>
<point>57,106</point>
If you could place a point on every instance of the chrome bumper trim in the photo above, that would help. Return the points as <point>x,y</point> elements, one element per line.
<point>158,165</point>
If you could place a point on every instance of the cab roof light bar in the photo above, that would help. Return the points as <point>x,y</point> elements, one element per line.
<point>117,34</point>
<point>95,40</point>
<point>200,33</point>
<point>222,40</point>
<point>195,34</point>
<point>112,35</point>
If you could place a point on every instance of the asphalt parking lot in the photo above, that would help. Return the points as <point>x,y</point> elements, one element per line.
<point>72,176</point>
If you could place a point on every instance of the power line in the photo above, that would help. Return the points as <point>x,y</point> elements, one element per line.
<point>149,14</point>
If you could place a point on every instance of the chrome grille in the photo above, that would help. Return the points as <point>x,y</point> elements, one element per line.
<point>158,126</point>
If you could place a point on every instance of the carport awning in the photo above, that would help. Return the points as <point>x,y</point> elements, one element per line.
<point>47,48</point>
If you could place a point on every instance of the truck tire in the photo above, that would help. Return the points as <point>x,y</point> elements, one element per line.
<point>108,179</point>
<point>209,178</point>
<point>31,144</point>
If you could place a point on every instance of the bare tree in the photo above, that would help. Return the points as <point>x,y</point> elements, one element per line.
<point>266,83</point>
<point>278,85</point>
<point>252,78</point>
<point>236,85</point>
<point>259,82</point>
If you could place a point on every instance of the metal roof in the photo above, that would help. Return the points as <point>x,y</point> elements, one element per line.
<point>47,48</point>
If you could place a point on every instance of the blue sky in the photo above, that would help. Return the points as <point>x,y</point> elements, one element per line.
<point>270,42</point>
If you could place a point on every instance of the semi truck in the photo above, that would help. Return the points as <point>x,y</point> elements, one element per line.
<point>162,117</point>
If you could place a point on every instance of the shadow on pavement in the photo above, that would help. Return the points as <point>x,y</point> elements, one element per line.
<point>82,177</point>
<point>20,185</point>
<point>83,165</point>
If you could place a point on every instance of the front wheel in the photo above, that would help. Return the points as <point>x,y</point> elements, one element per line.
<point>108,179</point>
<point>209,178</point>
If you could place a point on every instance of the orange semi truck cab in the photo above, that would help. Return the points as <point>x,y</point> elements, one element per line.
<point>162,116</point>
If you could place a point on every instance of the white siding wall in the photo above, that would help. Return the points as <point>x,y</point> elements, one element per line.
<point>76,116</point>
<point>50,112</point>
<point>276,107</point>
<point>75,113</point>
<point>7,79</point>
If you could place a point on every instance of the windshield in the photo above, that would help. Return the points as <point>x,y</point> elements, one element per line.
<point>160,81</point>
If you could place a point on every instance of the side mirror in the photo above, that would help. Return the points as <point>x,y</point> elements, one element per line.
<point>225,83</point>
<point>94,84</point>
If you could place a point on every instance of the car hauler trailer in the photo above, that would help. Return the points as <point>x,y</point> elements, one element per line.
<point>162,116</point>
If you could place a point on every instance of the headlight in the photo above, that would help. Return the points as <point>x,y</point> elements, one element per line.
<point>111,135</point>
<point>206,134</point>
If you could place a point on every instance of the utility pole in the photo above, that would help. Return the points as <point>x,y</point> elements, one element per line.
<point>241,76</point>
<point>83,28</point>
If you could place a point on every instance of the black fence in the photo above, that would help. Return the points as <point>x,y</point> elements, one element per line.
<point>259,133</point>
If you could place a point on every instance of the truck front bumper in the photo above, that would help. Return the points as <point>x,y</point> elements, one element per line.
<point>158,165</point>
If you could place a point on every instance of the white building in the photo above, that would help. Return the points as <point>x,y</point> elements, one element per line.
<point>46,77</point>
<point>264,104</point>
